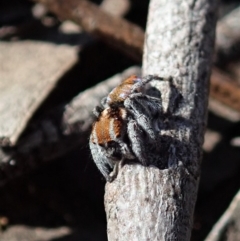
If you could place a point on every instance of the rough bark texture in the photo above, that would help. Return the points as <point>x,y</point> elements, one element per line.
<point>146,203</point>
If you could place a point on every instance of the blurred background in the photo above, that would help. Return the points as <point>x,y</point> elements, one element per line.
<point>50,189</point>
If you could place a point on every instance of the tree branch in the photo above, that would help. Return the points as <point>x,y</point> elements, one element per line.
<point>120,33</point>
<point>146,203</point>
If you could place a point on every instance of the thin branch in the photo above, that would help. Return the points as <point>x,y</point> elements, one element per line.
<point>147,203</point>
<point>101,24</point>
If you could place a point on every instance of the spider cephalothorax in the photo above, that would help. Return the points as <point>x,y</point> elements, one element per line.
<point>124,124</point>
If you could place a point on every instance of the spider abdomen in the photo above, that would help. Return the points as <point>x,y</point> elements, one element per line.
<point>122,91</point>
<point>109,126</point>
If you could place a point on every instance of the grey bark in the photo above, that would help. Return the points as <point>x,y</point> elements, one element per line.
<point>146,203</point>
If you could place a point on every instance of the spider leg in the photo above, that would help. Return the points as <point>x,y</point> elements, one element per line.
<point>97,111</point>
<point>108,157</point>
<point>115,171</point>
<point>125,151</point>
<point>144,80</point>
<point>136,137</point>
<point>103,163</point>
<point>146,110</point>
<point>104,102</point>
<point>175,100</point>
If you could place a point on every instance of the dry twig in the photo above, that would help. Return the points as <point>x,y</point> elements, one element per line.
<point>115,31</point>
<point>146,203</point>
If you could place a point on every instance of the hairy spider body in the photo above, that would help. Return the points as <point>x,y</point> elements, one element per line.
<point>111,118</point>
<point>107,140</point>
<point>123,125</point>
<point>109,132</point>
<point>122,91</point>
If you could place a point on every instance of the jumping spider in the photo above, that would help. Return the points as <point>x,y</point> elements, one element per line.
<point>126,120</point>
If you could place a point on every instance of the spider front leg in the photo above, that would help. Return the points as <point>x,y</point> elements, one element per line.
<point>145,80</point>
<point>104,102</point>
<point>110,156</point>
<point>104,164</point>
<point>136,137</point>
<point>124,153</point>
<point>146,111</point>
